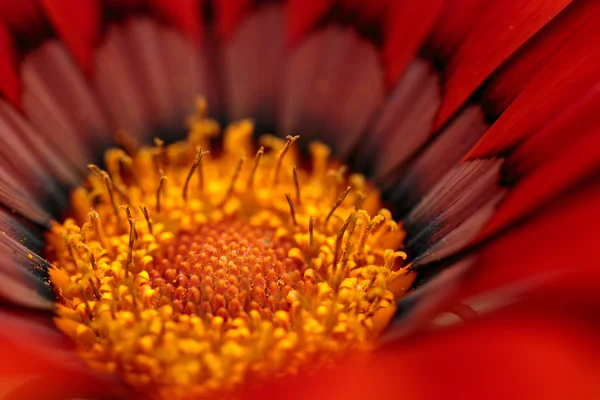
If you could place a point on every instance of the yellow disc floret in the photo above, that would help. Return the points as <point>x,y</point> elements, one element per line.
<point>189,273</point>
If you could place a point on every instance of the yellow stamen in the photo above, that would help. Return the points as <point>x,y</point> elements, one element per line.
<point>161,184</point>
<point>291,204</point>
<point>311,227</point>
<point>132,238</point>
<point>297,184</point>
<point>219,288</point>
<point>236,174</point>
<point>109,188</point>
<point>257,158</point>
<point>286,147</point>
<point>337,204</point>
<point>195,165</point>
<point>144,211</point>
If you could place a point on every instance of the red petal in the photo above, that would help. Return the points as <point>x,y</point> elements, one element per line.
<point>31,350</point>
<point>10,84</point>
<point>229,14</point>
<point>21,359</point>
<point>501,30</point>
<point>564,80</point>
<point>525,64</point>
<point>532,351</point>
<point>558,243</point>
<point>78,24</point>
<point>302,16</point>
<point>184,15</point>
<point>30,377</point>
<point>405,26</point>
<point>31,345</point>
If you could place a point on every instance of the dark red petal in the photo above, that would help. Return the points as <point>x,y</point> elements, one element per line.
<point>578,161</point>
<point>455,22</point>
<point>533,350</point>
<point>22,17</point>
<point>10,84</point>
<point>125,4</point>
<point>575,122</point>
<point>354,6</point>
<point>501,30</point>
<point>184,14</point>
<point>405,26</point>
<point>78,25</point>
<point>62,385</point>
<point>444,152</point>
<point>562,81</point>
<point>366,12</point>
<point>354,76</point>
<point>525,64</point>
<point>252,86</point>
<point>302,15</point>
<point>557,243</point>
<point>229,14</point>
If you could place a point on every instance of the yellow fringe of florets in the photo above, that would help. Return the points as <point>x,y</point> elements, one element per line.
<point>189,273</point>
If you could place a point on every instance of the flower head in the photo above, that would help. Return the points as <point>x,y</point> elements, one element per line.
<point>223,278</point>
<point>402,189</point>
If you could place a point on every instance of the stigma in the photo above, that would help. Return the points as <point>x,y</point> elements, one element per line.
<point>191,271</point>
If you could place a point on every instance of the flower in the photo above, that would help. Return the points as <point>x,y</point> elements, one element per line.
<point>475,121</point>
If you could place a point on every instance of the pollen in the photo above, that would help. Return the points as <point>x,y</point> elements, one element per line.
<point>189,271</point>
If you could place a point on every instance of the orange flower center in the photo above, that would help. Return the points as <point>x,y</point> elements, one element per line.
<point>226,269</point>
<point>190,274</point>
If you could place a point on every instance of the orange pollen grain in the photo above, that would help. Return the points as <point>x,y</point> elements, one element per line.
<point>191,275</point>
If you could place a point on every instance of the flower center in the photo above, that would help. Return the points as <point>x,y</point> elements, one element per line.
<point>226,269</point>
<point>190,274</point>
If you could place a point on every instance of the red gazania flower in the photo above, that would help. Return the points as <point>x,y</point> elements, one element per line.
<point>159,270</point>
